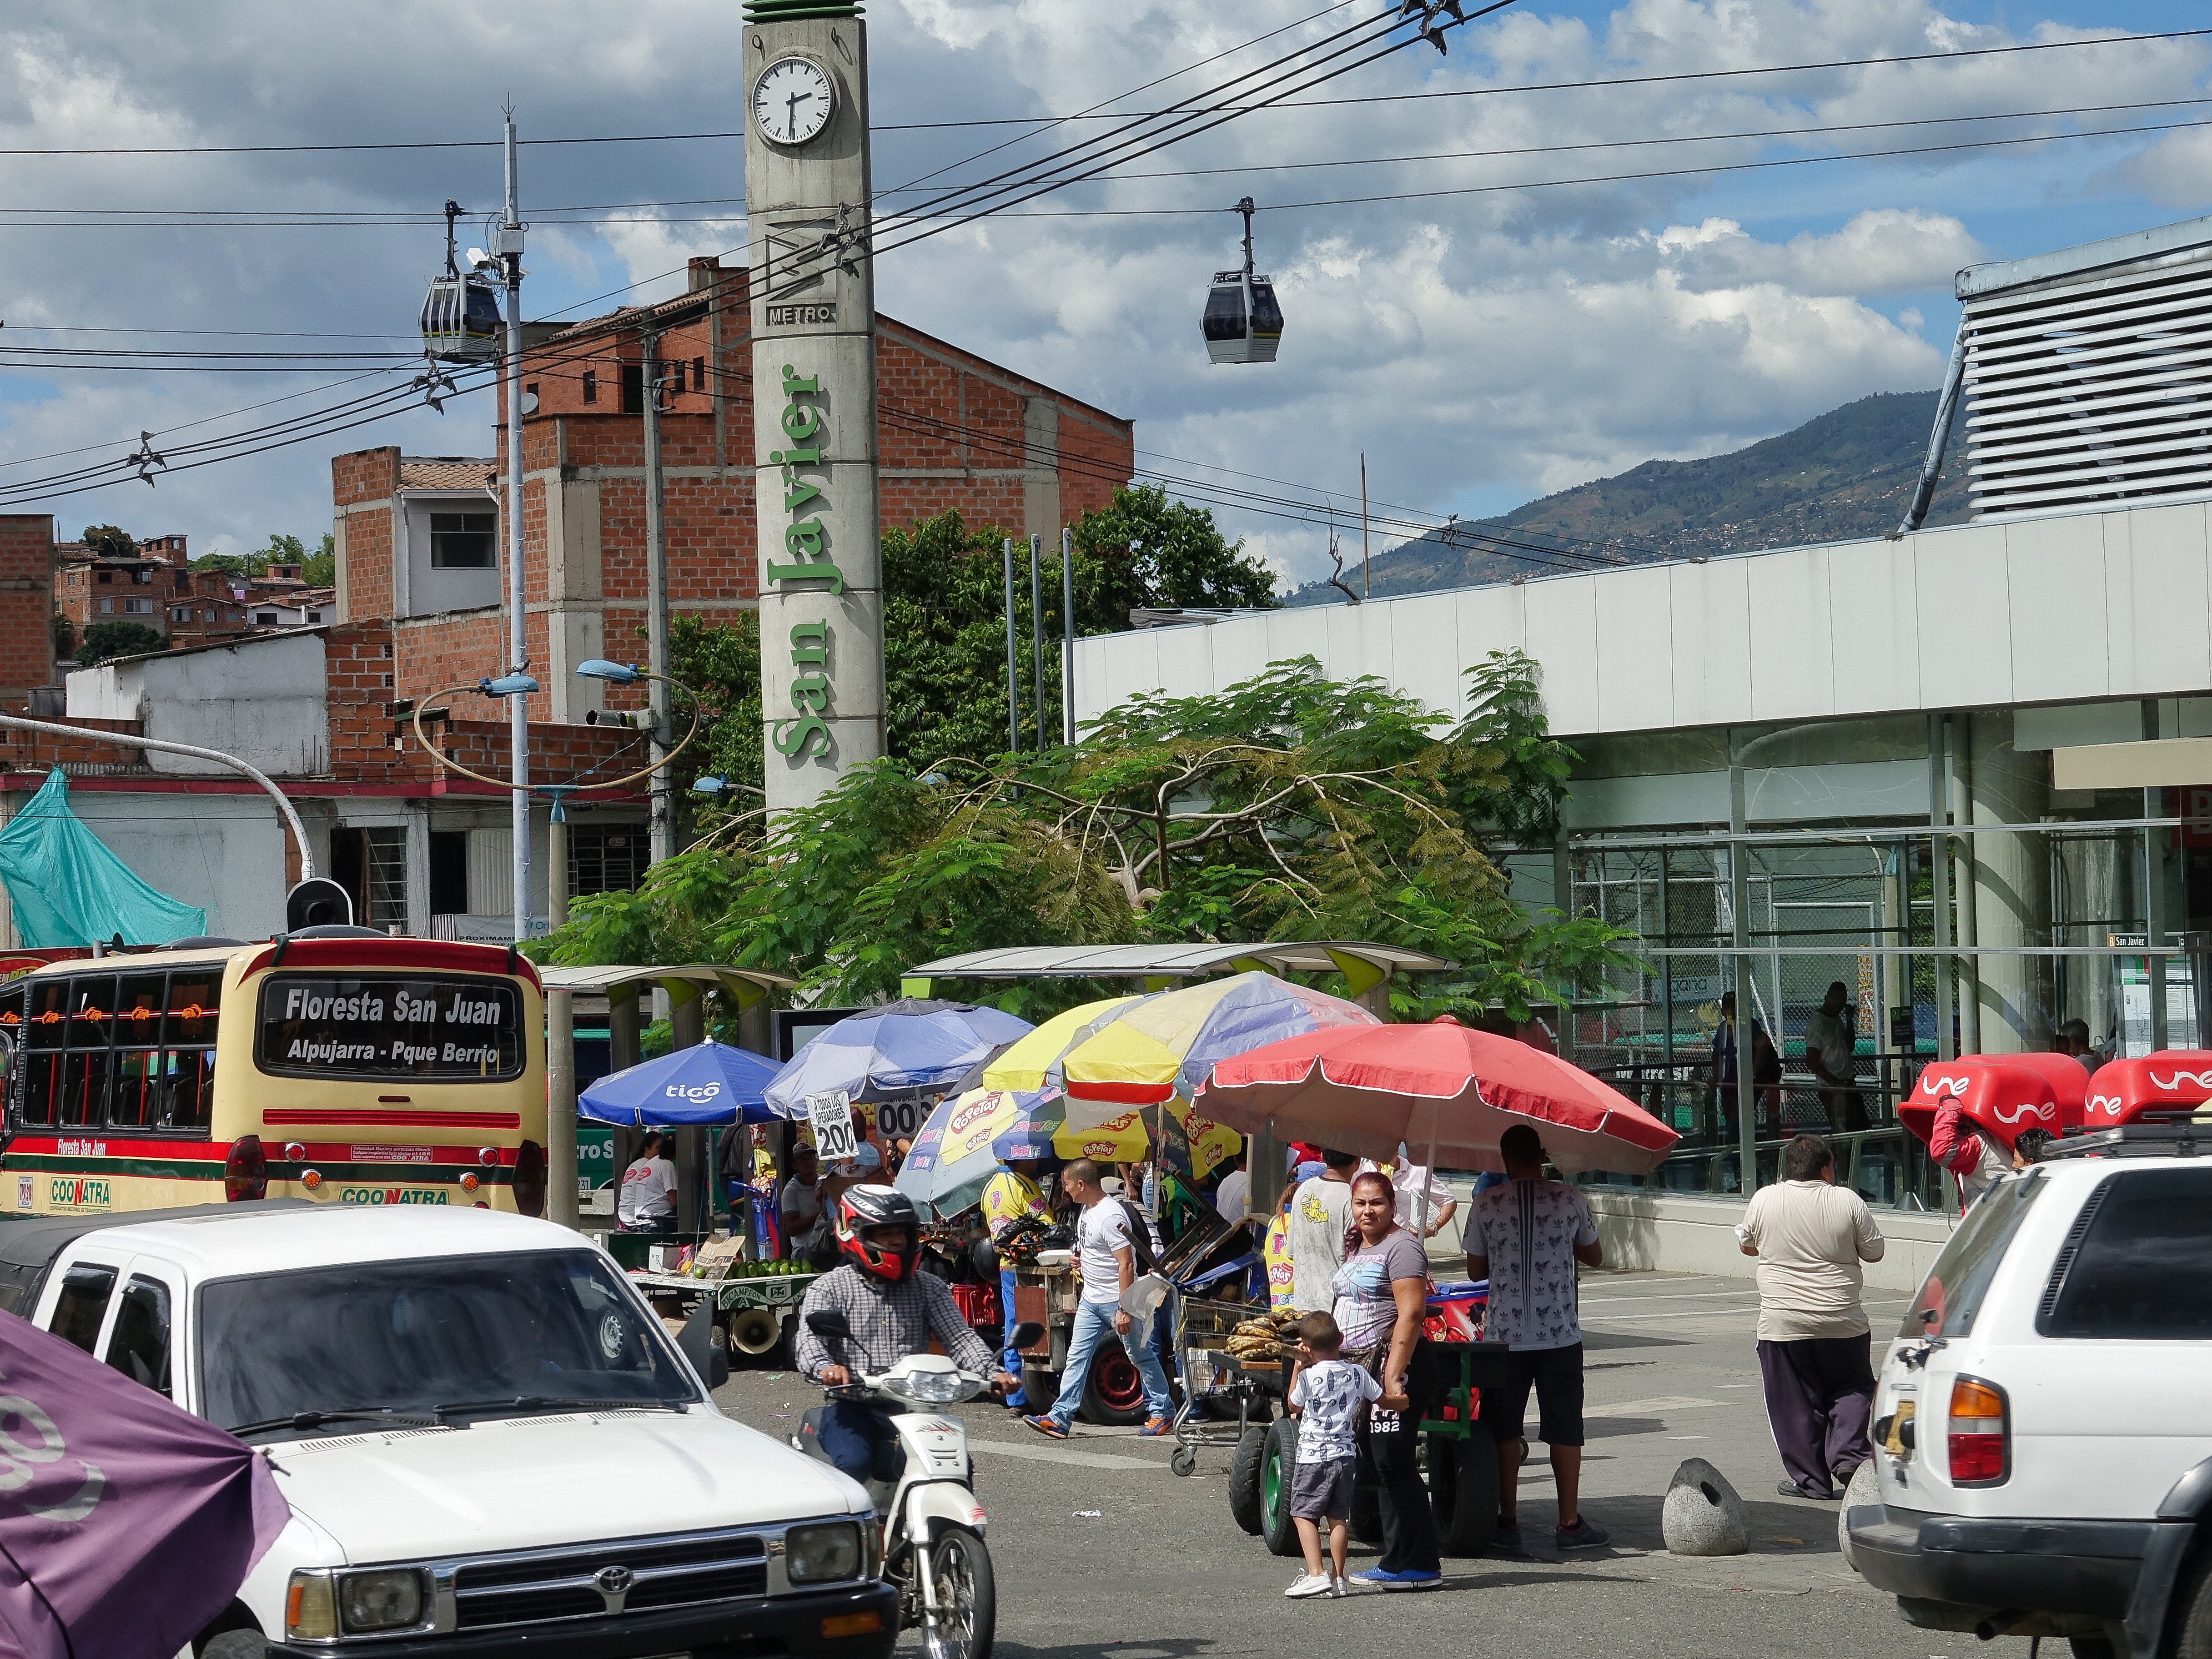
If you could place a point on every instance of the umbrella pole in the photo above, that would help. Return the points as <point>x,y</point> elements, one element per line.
<point>1428,1174</point>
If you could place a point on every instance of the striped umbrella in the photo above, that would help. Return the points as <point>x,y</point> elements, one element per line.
<point>952,1158</point>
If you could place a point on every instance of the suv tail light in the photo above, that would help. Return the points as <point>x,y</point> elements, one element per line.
<point>530,1178</point>
<point>245,1171</point>
<point>1980,1435</point>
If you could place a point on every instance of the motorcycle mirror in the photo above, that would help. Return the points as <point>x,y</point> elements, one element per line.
<point>828,1322</point>
<point>1027,1334</point>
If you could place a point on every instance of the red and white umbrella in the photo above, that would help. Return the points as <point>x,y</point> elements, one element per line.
<point>1442,1087</point>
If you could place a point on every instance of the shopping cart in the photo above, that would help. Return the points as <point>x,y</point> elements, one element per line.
<point>1223,1395</point>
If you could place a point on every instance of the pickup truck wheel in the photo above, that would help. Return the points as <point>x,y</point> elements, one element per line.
<point>235,1644</point>
<point>2091,1647</point>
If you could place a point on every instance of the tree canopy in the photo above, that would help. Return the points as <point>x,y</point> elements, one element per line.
<point>105,639</point>
<point>317,569</point>
<point>111,540</point>
<point>1288,806</point>
<point>944,627</point>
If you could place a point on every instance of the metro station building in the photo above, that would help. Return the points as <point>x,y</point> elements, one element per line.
<point>1788,755</point>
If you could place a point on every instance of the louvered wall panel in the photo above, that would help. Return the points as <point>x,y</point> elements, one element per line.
<point>2091,391</point>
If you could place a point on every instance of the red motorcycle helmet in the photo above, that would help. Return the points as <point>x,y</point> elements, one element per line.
<point>862,1212</point>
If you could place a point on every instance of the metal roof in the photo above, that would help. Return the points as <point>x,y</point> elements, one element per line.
<point>746,985</point>
<point>1175,961</point>
<point>2003,274</point>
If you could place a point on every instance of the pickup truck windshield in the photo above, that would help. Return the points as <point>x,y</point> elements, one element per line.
<point>411,1336</point>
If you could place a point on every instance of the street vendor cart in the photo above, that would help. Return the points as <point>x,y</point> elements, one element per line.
<point>755,1316</point>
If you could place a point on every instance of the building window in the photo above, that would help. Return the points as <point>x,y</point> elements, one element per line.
<point>139,607</point>
<point>106,576</point>
<point>143,578</point>
<point>606,858</point>
<point>180,613</point>
<point>464,541</point>
<point>698,373</point>
<point>315,615</point>
<point>633,388</point>
<point>106,606</point>
<point>265,618</point>
<point>208,615</point>
<point>591,386</point>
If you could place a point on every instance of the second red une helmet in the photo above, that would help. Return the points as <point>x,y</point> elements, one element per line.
<point>865,1211</point>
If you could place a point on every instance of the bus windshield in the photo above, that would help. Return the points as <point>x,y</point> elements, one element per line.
<point>448,1028</point>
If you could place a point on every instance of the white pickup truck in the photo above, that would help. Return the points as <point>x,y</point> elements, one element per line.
<point>490,1445</point>
<point>2043,1425</point>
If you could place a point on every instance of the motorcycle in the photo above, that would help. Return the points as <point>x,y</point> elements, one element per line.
<point>923,1487</point>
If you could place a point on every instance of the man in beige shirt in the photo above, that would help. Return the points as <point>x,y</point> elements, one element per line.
<point>1810,1236</point>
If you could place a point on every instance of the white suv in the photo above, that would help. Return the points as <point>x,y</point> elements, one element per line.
<point>2044,1422</point>
<point>488,1441</point>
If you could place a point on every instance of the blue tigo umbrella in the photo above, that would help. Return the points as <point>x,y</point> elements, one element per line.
<point>709,1083</point>
<point>904,1048</point>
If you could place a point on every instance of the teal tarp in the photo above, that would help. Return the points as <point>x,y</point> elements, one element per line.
<point>67,889</point>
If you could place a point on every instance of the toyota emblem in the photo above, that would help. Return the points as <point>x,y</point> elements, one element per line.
<point>614,1581</point>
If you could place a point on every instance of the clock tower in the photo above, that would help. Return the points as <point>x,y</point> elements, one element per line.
<point>807,234</point>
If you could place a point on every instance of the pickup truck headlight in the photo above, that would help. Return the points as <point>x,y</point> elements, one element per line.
<point>389,1600</point>
<point>821,1554</point>
<point>323,1606</point>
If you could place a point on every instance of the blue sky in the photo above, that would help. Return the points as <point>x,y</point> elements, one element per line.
<point>1481,349</point>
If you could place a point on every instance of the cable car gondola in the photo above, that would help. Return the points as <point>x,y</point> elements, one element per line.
<point>460,313</point>
<point>1243,323</point>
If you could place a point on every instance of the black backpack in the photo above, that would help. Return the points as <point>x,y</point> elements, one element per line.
<point>1140,1238</point>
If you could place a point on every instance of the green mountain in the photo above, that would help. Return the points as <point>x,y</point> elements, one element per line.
<point>1842,475</point>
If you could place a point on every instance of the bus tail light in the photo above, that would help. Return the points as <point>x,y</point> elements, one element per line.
<point>1980,1434</point>
<point>530,1178</point>
<point>295,1152</point>
<point>488,1155</point>
<point>245,1171</point>
<point>469,1182</point>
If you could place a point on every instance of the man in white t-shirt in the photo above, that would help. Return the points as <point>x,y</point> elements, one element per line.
<point>647,1203</point>
<point>1810,1236</point>
<point>800,1205</point>
<point>1410,1181</point>
<point>1320,1215</point>
<point>1229,1198</point>
<point>1107,1252</point>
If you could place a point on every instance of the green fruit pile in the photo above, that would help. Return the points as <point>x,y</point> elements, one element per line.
<point>769,1270</point>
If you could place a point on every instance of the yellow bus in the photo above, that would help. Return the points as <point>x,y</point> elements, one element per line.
<point>339,1065</point>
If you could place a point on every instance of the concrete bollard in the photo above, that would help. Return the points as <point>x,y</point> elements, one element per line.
<point>1703,1515</point>
<point>1865,1489</point>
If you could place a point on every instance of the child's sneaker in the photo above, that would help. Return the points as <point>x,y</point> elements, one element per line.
<point>1338,1587</point>
<point>1308,1584</point>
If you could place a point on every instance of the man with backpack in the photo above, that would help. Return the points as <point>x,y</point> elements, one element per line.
<point>1114,1247</point>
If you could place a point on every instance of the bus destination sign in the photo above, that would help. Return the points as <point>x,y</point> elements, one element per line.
<point>388,1025</point>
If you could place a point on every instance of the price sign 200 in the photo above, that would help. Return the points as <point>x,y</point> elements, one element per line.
<point>831,1116</point>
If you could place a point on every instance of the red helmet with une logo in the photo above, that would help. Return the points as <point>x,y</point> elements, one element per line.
<point>862,1213</point>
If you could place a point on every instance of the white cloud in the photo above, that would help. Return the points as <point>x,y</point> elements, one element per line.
<point>1475,345</point>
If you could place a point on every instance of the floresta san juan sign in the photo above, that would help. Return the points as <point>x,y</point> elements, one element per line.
<point>806,426</point>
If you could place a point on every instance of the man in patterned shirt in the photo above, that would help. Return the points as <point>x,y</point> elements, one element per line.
<point>1525,1238</point>
<point>892,1310</point>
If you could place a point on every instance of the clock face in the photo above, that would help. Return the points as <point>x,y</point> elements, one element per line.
<point>793,101</point>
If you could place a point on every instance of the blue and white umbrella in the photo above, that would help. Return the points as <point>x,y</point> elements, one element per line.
<point>707,1083</point>
<point>905,1048</point>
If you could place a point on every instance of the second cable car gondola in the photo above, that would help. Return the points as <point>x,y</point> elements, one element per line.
<point>460,313</point>
<point>1243,323</point>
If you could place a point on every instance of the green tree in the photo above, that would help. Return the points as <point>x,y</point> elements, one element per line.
<point>107,639</point>
<point>1288,806</point>
<point>108,539</point>
<point>65,636</point>
<point>944,621</point>
<point>320,567</point>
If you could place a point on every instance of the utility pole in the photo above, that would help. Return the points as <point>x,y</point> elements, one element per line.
<point>1036,630</point>
<point>662,839</point>
<point>508,251</point>
<point>1013,670</point>
<point>1366,576</point>
<point>1067,635</point>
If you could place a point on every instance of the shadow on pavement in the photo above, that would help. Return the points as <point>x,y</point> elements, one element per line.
<point>1595,1339</point>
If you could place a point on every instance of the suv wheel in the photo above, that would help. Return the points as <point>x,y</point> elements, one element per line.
<point>2189,1616</point>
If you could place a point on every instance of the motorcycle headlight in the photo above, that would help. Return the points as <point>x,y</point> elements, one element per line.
<point>936,1388</point>
<point>821,1554</point>
<point>388,1600</point>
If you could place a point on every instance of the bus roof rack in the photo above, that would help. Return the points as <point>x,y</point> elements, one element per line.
<point>2156,1134</point>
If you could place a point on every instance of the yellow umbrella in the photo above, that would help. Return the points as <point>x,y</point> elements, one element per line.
<point>1025,1063</point>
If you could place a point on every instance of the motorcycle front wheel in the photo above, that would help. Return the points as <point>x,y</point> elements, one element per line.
<point>967,1597</point>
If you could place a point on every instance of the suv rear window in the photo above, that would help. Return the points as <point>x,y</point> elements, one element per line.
<point>1961,1275</point>
<point>2137,1263</point>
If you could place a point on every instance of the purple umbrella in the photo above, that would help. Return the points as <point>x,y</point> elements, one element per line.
<point>126,1524</point>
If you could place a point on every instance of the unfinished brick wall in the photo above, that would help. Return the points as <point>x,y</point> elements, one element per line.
<point>364,487</point>
<point>26,605</point>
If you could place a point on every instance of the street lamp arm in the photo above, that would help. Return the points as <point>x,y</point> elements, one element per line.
<point>453,765</point>
<point>16,723</point>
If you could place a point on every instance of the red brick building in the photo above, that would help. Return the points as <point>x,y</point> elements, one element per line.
<point>954,431</point>
<point>26,605</point>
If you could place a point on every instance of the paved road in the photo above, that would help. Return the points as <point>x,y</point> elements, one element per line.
<point>1102,1552</point>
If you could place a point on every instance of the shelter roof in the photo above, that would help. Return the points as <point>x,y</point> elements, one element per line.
<point>1357,960</point>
